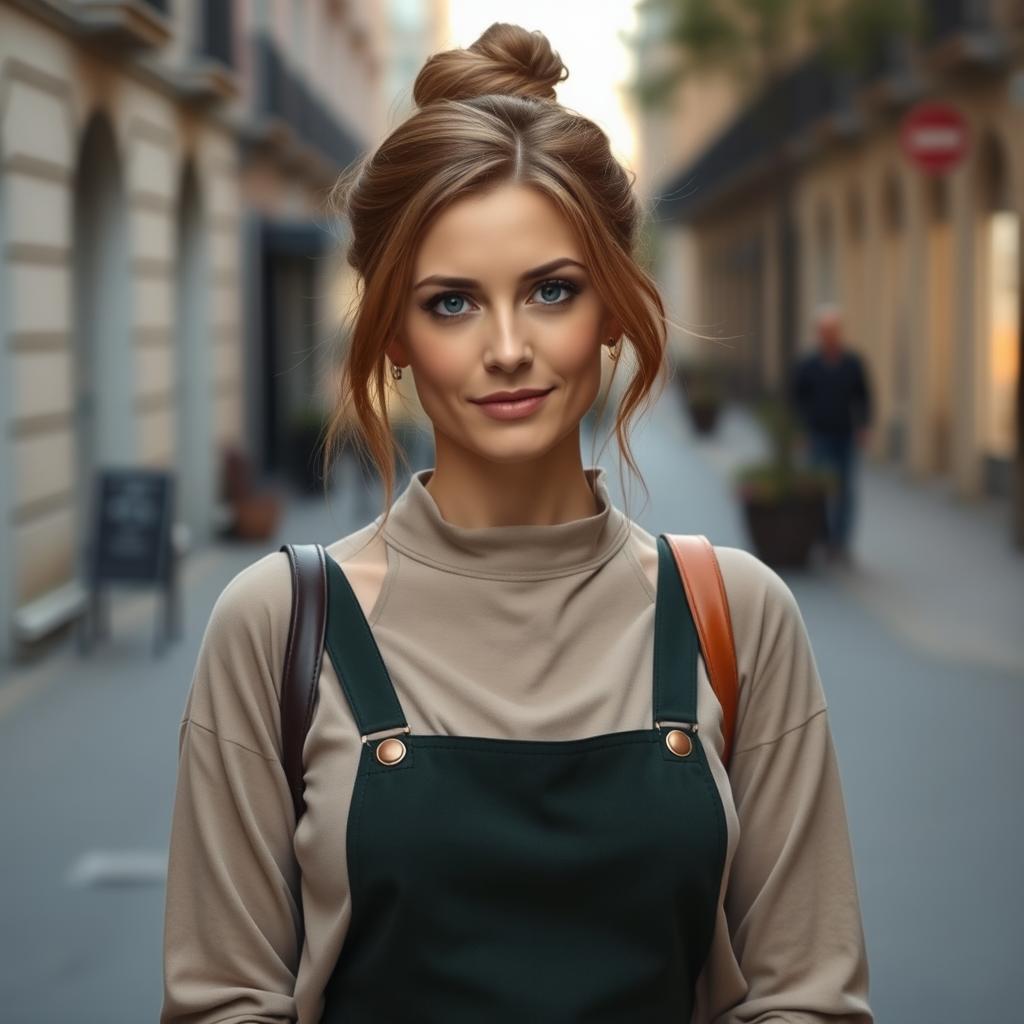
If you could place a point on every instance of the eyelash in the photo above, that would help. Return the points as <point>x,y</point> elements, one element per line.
<point>569,286</point>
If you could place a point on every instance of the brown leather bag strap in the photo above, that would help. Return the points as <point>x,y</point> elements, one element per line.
<point>702,579</point>
<point>302,659</point>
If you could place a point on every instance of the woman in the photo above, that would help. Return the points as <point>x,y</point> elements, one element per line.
<point>533,852</point>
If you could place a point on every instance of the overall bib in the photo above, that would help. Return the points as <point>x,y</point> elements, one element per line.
<point>527,881</point>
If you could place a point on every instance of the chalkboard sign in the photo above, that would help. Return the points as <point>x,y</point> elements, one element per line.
<point>131,542</point>
<point>132,526</point>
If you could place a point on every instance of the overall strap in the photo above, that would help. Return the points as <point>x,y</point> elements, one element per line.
<point>302,659</point>
<point>357,659</point>
<point>675,645</point>
<point>701,577</point>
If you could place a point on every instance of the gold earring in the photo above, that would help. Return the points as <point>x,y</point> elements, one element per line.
<point>396,371</point>
<point>616,349</point>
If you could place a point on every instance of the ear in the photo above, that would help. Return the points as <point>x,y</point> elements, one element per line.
<point>397,354</point>
<point>612,329</point>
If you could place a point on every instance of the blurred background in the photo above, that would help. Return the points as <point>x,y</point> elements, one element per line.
<point>835,192</point>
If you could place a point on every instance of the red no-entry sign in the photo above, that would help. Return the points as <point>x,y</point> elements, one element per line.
<point>934,137</point>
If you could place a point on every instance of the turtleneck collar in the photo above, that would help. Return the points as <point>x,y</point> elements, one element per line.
<point>416,527</point>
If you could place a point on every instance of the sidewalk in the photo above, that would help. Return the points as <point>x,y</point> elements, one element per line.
<point>204,574</point>
<point>940,571</point>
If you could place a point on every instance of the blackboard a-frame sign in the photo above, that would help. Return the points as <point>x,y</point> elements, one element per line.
<point>130,540</point>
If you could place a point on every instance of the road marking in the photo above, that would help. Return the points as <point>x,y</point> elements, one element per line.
<point>118,867</point>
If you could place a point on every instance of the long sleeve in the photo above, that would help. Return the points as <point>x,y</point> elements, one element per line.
<point>232,930</point>
<point>798,395</point>
<point>861,394</point>
<point>791,902</point>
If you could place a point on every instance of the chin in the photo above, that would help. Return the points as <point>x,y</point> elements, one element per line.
<point>513,455</point>
<point>528,445</point>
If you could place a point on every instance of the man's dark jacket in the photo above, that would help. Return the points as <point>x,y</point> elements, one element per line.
<point>831,397</point>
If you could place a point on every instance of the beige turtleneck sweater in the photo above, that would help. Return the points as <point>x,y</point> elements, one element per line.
<point>519,632</point>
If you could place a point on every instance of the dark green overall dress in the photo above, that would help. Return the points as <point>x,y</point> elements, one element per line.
<point>527,881</point>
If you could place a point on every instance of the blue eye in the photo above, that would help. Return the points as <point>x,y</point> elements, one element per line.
<point>451,297</point>
<point>449,301</point>
<point>556,284</point>
<point>445,298</point>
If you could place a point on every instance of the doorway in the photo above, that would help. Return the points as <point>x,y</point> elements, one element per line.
<point>104,370</point>
<point>195,455</point>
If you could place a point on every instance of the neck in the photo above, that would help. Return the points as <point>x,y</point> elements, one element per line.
<point>475,492</point>
<point>515,551</point>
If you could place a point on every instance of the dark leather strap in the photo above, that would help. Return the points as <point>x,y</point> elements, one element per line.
<point>705,591</point>
<point>302,659</point>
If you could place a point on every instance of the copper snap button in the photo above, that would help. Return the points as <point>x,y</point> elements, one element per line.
<point>390,751</point>
<point>679,743</point>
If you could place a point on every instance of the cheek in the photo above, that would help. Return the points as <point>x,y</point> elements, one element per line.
<point>441,362</point>
<point>573,347</point>
<point>441,366</point>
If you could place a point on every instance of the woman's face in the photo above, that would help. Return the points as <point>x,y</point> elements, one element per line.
<point>525,314</point>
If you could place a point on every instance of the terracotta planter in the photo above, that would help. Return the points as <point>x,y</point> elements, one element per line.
<point>254,513</point>
<point>704,414</point>
<point>785,529</point>
<point>257,516</point>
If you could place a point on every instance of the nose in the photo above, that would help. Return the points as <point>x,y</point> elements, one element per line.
<point>508,347</point>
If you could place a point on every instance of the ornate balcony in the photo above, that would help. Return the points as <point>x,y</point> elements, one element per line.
<point>963,32</point>
<point>124,23</point>
<point>286,107</point>
<point>209,75</point>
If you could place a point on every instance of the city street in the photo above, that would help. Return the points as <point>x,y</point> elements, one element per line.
<point>918,645</point>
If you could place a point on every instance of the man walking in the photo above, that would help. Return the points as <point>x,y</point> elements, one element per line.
<point>833,400</point>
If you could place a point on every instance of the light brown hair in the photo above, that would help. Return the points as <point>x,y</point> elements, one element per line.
<point>487,116</point>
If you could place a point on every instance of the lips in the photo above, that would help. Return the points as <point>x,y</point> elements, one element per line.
<point>512,396</point>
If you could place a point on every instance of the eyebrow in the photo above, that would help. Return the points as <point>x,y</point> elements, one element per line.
<point>468,282</point>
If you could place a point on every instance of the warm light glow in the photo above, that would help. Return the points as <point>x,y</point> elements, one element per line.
<point>1004,326</point>
<point>586,36</point>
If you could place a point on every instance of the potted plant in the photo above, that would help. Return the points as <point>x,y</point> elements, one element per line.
<point>701,384</point>
<point>783,502</point>
<point>305,455</point>
<point>248,511</point>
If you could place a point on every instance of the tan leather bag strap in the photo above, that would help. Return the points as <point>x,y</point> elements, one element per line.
<point>702,579</point>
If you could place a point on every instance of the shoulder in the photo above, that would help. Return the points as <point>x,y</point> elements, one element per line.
<point>749,583</point>
<point>780,687</point>
<point>254,603</point>
<point>756,593</point>
<point>762,606</point>
<point>236,685</point>
<point>253,610</point>
<point>236,681</point>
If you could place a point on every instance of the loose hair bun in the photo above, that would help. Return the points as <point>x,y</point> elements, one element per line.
<point>486,116</point>
<point>505,59</point>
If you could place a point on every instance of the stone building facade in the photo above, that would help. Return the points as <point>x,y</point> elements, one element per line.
<point>167,277</point>
<point>803,195</point>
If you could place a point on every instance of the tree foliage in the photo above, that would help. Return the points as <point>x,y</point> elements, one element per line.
<point>753,41</point>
